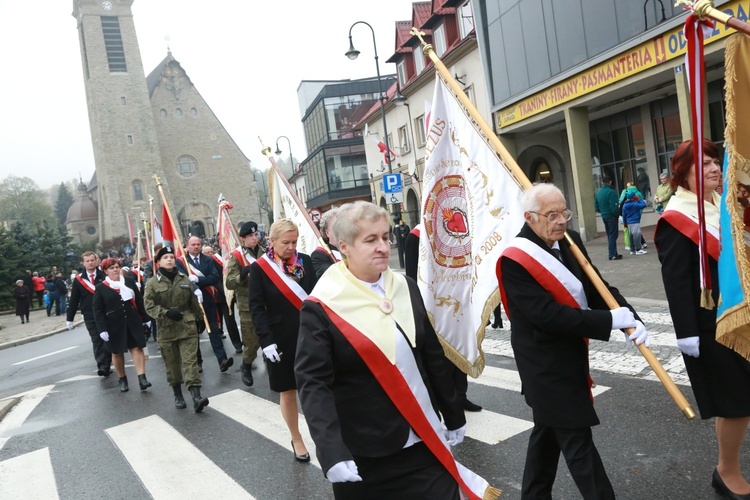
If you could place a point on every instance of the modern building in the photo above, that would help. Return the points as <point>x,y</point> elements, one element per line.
<point>156,125</point>
<point>335,170</point>
<point>583,88</point>
<point>448,25</point>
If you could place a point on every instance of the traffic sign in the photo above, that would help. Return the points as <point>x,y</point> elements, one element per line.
<point>315,215</point>
<point>392,184</point>
<point>395,198</point>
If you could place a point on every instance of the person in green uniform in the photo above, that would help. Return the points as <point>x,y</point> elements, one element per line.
<point>238,267</point>
<point>171,300</point>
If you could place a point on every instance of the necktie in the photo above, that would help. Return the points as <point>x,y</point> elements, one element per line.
<point>92,277</point>
<point>556,252</point>
<point>197,262</point>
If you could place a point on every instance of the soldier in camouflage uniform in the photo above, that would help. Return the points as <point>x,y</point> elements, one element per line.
<point>238,267</point>
<point>171,300</point>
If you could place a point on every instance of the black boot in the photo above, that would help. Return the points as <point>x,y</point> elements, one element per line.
<point>247,375</point>
<point>198,402</point>
<point>145,384</point>
<point>22,322</point>
<point>123,384</point>
<point>179,401</point>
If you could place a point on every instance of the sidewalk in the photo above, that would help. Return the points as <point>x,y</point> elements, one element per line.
<point>13,333</point>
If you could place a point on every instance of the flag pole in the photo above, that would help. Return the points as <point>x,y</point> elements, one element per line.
<point>267,151</point>
<point>178,237</point>
<point>138,255</point>
<point>705,9</point>
<point>153,235</point>
<point>525,183</point>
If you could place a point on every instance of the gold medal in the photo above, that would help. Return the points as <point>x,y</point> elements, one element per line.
<point>386,306</point>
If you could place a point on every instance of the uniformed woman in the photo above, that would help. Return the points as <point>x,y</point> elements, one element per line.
<point>172,302</point>
<point>120,316</point>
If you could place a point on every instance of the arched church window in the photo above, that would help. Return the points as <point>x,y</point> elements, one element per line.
<point>163,113</point>
<point>178,112</point>
<point>541,172</point>
<point>187,166</point>
<point>137,191</point>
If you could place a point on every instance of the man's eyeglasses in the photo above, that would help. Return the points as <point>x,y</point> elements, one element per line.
<point>553,216</point>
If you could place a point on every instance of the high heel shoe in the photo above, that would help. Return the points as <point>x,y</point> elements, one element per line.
<point>718,484</point>
<point>145,384</point>
<point>300,458</point>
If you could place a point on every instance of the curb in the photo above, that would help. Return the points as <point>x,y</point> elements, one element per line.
<point>6,405</point>
<point>40,336</point>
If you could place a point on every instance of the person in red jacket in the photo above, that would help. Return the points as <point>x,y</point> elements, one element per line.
<point>39,287</point>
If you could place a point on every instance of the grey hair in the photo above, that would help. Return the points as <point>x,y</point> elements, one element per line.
<point>327,220</point>
<point>281,226</point>
<point>346,227</point>
<point>531,198</point>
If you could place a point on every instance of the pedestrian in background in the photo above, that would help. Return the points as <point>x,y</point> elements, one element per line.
<point>50,289</point>
<point>39,287</point>
<point>402,231</point>
<point>606,203</point>
<point>663,193</point>
<point>720,377</point>
<point>22,294</point>
<point>631,215</point>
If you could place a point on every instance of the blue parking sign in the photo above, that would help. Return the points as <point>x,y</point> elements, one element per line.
<point>392,183</point>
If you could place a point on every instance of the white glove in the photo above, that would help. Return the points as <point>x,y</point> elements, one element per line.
<point>147,324</point>
<point>193,278</point>
<point>343,472</point>
<point>104,336</point>
<point>639,336</point>
<point>690,346</point>
<point>622,317</point>
<point>199,294</point>
<point>272,355</point>
<point>69,324</point>
<point>456,436</point>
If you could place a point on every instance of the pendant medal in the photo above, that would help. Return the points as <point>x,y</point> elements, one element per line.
<point>386,306</point>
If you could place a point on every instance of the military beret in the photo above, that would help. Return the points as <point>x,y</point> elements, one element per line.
<point>248,228</point>
<point>164,251</point>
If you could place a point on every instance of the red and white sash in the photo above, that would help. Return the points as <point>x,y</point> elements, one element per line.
<point>131,300</point>
<point>286,285</point>
<point>86,284</point>
<point>404,386</point>
<point>243,257</point>
<point>688,225</point>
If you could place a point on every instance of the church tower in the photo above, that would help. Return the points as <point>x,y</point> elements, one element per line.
<point>123,133</point>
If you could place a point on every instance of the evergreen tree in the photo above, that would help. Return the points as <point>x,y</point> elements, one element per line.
<point>63,203</point>
<point>10,268</point>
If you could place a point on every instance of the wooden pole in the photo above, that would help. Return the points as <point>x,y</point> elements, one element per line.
<point>525,183</point>
<point>153,234</point>
<point>178,237</point>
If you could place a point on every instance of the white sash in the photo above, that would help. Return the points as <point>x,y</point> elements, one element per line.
<point>288,282</point>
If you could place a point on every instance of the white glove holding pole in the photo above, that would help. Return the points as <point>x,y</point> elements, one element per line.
<point>271,354</point>
<point>199,295</point>
<point>343,472</point>
<point>104,336</point>
<point>147,324</point>
<point>639,336</point>
<point>455,436</point>
<point>690,346</point>
<point>193,278</point>
<point>69,324</point>
<point>622,317</point>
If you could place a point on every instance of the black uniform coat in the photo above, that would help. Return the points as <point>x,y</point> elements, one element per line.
<point>276,321</point>
<point>82,298</point>
<point>211,277</point>
<point>119,318</point>
<point>348,412</point>
<point>322,260</point>
<point>548,339</point>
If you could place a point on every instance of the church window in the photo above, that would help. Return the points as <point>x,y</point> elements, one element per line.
<point>187,166</point>
<point>178,112</point>
<point>122,100</point>
<point>193,111</point>
<point>163,113</point>
<point>113,44</point>
<point>130,139</point>
<point>91,229</point>
<point>137,191</point>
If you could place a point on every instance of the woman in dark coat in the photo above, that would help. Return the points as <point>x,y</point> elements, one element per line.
<point>719,376</point>
<point>22,294</point>
<point>120,317</point>
<point>279,281</point>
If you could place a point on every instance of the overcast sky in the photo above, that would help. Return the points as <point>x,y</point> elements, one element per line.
<point>246,58</point>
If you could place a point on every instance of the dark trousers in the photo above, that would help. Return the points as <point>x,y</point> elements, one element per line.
<point>413,472</point>
<point>40,297</point>
<point>610,225</point>
<point>212,313</point>
<point>53,299</point>
<point>231,323</point>
<point>101,355</point>
<point>460,379</point>
<point>401,247</point>
<point>584,463</point>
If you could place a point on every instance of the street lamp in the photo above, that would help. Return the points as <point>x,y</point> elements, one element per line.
<point>262,174</point>
<point>278,150</point>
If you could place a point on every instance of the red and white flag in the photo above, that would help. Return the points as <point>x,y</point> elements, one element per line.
<point>169,233</point>
<point>131,232</point>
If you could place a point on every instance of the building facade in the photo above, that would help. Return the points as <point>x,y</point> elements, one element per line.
<point>158,125</point>
<point>579,89</point>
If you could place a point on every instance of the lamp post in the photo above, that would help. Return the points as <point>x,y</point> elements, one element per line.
<point>262,174</point>
<point>278,150</point>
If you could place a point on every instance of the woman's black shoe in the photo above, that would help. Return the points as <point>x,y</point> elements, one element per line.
<point>123,383</point>
<point>145,384</point>
<point>718,484</point>
<point>300,458</point>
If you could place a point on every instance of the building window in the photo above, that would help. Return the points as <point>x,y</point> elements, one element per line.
<point>469,91</point>
<point>187,166</point>
<point>163,113</point>
<point>113,44</point>
<point>439,38</point>
<point>137,191</point>
<point>403,139</point>
<point>418,59</point>
<point>178,112</point>
<point>122,100</point>
<point>130,139</point>
<point>465,19</point>
<point>401,70</point>
<point>193,111</point>
<point>421,133</point>
<point>91,229</point>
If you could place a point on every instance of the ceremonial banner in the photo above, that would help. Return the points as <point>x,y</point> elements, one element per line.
<point>471,210</point>
<point>169,234</point>
<point>733,315</point>
<point>228,240</point>
<point>286,206</point>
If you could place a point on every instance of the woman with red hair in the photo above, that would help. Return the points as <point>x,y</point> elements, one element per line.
<point>719,376</point>
<point>120,317</point>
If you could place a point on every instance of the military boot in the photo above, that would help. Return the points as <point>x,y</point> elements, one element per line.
<point>198,402</point>
<point>247,375</point>
<point>179,401</point>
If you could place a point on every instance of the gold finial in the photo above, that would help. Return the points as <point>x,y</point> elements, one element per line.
<point>265,149</point>
<point>150,199</point>
<point>156,178</point>
<point>427,48</point>
<point>702,8</point>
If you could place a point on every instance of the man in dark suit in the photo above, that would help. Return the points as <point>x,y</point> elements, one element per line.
<point>553,310</point>
<point>82,296</point>
<point>204,274</point>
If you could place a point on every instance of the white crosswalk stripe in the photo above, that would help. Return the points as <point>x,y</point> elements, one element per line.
<point>18,415</point>
<point>28,476</point>
<point>179,470</point>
